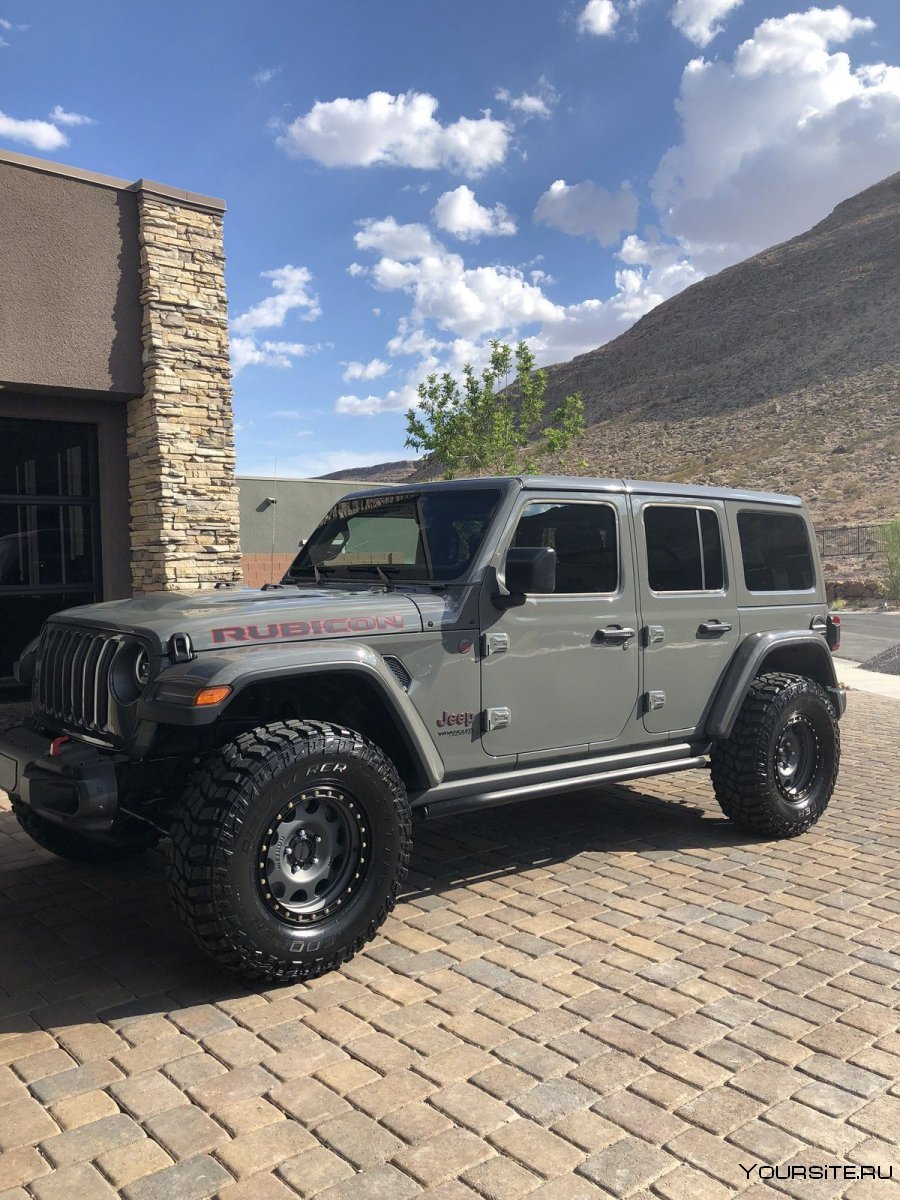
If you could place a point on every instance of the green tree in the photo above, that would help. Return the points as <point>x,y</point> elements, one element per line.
<point>892,555</point>
<point>486,428</point>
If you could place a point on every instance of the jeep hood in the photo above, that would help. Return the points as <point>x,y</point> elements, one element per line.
<point>213,619</point>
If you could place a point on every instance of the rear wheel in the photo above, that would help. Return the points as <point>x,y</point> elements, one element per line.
<point>776,772</point>
<point>289,848</point>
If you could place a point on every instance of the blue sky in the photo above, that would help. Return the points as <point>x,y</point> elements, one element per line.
<point>407,179</point>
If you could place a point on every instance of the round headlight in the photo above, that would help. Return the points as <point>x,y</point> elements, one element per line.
<point>141,668</point>
<point>130,673</point>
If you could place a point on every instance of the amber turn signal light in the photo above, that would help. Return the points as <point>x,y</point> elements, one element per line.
<point>212,695</point>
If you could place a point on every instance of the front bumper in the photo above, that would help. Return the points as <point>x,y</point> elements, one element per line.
<point>76,787</point>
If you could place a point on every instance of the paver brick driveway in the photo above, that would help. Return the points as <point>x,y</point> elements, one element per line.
<point>606,993</point>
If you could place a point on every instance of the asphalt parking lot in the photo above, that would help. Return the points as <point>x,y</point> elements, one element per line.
<point>863,635</point>
<point>614,993</point>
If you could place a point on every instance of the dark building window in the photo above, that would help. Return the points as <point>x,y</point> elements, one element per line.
<point>49,545</point>
<point>776,553</point>
<point>684,549</point>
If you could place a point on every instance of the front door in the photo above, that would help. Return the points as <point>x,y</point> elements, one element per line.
<point>561,670</point>
<point>688,609</point>
<point>49,549</point>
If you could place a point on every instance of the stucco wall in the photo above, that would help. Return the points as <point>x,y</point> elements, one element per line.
<point>70,316</point>
<point>301,505</point>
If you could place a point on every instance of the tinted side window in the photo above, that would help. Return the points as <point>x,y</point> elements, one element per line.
<point>776,553</point>
<point>684,549</point>
<point>584,538</point>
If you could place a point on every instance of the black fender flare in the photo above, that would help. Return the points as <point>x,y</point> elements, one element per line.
<point>810,653</point>
<point>171,697</point>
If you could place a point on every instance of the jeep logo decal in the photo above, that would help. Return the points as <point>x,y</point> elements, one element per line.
<point>329,627</point>
<point>461,718</point>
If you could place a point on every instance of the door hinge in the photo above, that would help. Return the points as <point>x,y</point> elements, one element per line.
<point>654,635</point>
<point>494,643</point>
<point>653,701</point>
<point>496,718</point>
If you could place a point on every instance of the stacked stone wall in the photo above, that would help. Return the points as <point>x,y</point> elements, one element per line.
<point>184,501</point>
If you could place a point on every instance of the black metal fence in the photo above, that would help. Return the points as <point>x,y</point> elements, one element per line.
<point>856,540</point>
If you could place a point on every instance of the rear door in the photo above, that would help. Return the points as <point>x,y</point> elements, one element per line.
<point>561,670</point>
<point>689,615</point>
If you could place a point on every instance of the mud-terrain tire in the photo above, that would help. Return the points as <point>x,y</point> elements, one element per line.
<point>251,822</point>
<point>101,849</point>
<point>775,774</point>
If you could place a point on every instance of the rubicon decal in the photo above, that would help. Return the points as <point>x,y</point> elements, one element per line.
<point>290,630</point>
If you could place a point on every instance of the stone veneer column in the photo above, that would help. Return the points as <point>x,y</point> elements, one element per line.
<point>184,504</point>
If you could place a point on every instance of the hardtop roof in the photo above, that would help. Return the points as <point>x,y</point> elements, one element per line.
<point>584,483</point>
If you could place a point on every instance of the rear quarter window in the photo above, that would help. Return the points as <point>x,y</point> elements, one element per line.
<point>775,552</point>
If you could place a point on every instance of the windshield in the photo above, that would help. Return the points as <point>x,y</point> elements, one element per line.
<point>432,535</point>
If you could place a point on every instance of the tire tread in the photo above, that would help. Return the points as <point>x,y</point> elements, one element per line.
<point>210,811</point>
<point>740,766</point>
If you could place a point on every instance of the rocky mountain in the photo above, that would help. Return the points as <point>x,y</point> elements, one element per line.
<point>781,372</point>
<point>391,472</point>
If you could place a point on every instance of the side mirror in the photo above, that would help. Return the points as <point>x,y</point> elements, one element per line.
<point>529,571</point>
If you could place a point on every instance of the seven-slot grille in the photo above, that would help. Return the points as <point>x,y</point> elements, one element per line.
<point>73,676</point>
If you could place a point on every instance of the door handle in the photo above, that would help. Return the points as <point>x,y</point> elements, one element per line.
<point>714,628</point>
<point>614,635</point>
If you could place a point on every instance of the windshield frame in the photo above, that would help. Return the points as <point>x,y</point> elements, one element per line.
<point>304,570</point>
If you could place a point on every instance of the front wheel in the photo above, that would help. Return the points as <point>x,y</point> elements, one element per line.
<point>775,774</point>
<point>289,848</point>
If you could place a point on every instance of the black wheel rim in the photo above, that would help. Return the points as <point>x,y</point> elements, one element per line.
<point>796,758</point>
<point>313,854</point>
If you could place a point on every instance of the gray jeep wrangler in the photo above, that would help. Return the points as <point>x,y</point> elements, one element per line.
<point>432,649</point>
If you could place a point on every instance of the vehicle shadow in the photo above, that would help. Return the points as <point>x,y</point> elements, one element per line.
<point>81,944</point>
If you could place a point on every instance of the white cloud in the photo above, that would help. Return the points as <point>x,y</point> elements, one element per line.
<point>585,210</point>
<point>248,352</point>
<point>775,137</point>
<point>365,370</point>
<point>396,400</point>
<point>386,236</point>
<point>266,75</point>
<point>701,20</point>
<point>397,131</point>
<point>42,135</point>
<point>599,17</point>
<point>8,27</point>
<point>62,117</point>
<point>459,213</point>
<point>539,103</point>
<point>464,301</point>
<point>291,292</point>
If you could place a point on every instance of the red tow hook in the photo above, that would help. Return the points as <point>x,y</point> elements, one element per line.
<point>56,746</point>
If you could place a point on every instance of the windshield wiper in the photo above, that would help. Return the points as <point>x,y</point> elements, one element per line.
<point>373,568</point>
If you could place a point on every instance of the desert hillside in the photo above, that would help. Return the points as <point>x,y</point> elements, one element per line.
<point>781,372</point>
<point>390,472</point>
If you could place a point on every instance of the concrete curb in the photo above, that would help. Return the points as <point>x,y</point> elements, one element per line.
<point>853,677</point>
